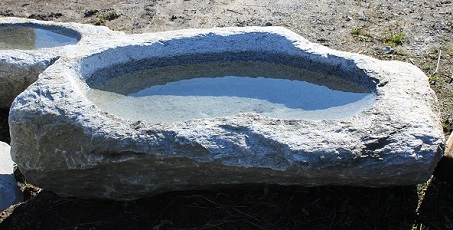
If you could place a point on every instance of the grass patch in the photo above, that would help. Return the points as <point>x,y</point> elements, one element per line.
<point>394,39</point>
<point>433,78</point>
<point>360,34</point>
<point>111,15</point>
<point>104,17</point>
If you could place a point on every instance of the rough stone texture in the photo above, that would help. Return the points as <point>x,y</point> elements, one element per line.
<point>63,142</point>
<point>20,68</point>
<point>9,191</point>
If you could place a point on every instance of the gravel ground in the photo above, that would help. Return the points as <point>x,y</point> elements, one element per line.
<point>419,31</point>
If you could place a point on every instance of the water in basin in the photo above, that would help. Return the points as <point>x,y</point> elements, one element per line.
<point>29,38</point>
<point>206,90</point>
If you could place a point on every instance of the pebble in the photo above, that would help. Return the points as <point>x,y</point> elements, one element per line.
<point>361,16</point>
<point>388,50</point>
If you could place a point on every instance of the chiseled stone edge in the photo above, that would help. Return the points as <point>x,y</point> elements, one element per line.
<point>397,141</point>
<point>20,68</point>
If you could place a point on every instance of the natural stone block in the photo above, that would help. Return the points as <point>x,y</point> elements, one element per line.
<point>64,142</point>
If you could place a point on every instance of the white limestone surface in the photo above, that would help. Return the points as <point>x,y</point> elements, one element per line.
<point>63,141</point>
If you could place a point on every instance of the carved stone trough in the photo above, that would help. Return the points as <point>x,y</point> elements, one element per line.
<point>28,47</point>
<point>144,114</point>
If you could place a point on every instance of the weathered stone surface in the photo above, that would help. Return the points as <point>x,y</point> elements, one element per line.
<point>20,68</point>
<point>63,142</point>
<point>9,192</point>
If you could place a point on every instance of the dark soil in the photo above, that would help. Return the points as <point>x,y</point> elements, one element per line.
<point>4,128</point>
<point>253,207</point>
<point>246,208</point>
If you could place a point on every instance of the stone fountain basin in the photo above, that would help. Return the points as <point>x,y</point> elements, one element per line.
<point>62,141</point>
<point>21,67</point>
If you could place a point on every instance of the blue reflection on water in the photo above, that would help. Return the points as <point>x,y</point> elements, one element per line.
<point>29,38</point>
<point>49,39</point>
<point>291,93</point>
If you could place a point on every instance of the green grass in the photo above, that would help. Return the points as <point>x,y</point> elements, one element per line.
<point>111,15</point>
<point>394,39</point>
<point>360,34</point>
<point>108,16</point>
<point>433,77</point>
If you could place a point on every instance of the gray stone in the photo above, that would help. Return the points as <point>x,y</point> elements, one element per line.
<point>64,142</point>
<point>388,50</point>
<point>9,191</point>
<point>20,68</point>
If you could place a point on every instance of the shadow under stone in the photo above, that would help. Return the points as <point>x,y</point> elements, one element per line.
<point>436,208</point>
<point>4,128</point>
<point>245,207</point>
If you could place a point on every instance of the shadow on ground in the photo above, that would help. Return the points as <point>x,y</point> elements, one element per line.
<point>259,207</point>
<point>436,209</point>
<point>4,130</point>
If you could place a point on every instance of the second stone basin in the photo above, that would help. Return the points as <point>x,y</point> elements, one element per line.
<point>143,114</point>
<point>28,47</point>
<point>29,36</point>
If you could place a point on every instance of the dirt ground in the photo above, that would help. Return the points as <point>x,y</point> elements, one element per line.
<point>418,31</point>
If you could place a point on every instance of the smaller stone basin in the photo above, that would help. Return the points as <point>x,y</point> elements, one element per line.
<point>28,47</point>
<point>30,37</point>
<point>137,115</point>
